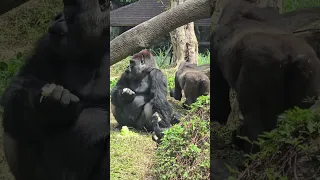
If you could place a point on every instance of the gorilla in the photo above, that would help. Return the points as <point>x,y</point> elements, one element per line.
<point>270,69</point>
<point>141,92</point>
<point>56,108</point>
<point>192,81</point>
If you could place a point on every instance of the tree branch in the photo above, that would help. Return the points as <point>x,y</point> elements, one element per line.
<point>140,36</point>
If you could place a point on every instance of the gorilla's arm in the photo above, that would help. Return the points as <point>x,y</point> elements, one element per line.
<point>177,94</point>
<point>21,96</point>
<point>117,97</point>
<point>158,93</point>
<point>219,91</point>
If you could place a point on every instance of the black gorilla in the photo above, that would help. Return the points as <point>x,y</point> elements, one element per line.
<point>140,92</point>
<point>270,69</point>
<point>192,81</point>
<point>56,109</point>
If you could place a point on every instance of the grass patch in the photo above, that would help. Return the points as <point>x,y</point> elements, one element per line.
<point>23,26</point>
<point>131,155</point>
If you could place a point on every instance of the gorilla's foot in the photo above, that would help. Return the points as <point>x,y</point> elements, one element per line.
<point>175,118</point>
<point>155,138</point>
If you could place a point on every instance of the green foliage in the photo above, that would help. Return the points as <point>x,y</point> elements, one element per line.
<point>204,58</point>
<point>291,5</point>
<point>162,59</point>
<point>9,69</point>
<point>170,80</point>
<point>202,102</point>
<point>294,143</point>
<point>184,152</point>
<point>113,82</point>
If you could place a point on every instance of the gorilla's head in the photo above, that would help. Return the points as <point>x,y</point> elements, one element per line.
<point>140,64</point>
<point>82,26</point>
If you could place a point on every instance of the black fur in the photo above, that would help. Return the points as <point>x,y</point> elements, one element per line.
<point>148,91</point>
<point>270,69</point>
<point>192,81</point>
<point>66,135</point>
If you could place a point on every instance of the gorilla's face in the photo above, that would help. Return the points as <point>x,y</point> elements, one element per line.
<point>83,25</point>
<point>136,68</point>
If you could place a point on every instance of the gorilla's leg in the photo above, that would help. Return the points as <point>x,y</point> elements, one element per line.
<point>249,105</point>
<point>10,146</point>
<point>80,153</point>
<point>259,102</point>
<point>191,92</point>
<point>176,93</point>
<point>220,104</point>
<point>145,119</point>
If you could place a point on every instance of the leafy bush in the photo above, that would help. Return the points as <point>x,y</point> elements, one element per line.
<point>113,82</point>
<point>291,151</point>
<point>170,80</point>
<point>9,69</point>
<point>184,152</point>
<point>204,58</point>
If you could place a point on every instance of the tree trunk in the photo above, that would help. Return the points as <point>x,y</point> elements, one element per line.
<point>140,36</point>
<point>184,41</point>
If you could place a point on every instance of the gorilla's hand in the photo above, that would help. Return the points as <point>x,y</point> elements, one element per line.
<point>128,94</point>
<point>56,96</point>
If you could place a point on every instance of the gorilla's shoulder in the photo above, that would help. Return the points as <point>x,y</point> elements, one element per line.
<point>156,71</point>
<point>157,74</point>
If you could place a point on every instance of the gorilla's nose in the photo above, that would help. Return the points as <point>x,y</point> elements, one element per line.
<point>59,25</point>
<point>128,70</point>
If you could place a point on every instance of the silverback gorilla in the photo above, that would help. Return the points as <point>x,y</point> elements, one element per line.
<point>192,81</point>
<point>270,69</point>
<point>56,115</point>
<point>141,92</point>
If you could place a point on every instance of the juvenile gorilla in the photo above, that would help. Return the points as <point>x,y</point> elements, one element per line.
<point>56,115</point>
<point>192,81</point>
<point>270,69</point>
<point>141,92</point>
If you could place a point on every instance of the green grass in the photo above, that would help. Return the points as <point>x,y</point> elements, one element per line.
<point>21,27</point>
<point>131,155</point>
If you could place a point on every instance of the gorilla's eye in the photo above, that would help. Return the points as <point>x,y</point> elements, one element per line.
<point>142,61</point>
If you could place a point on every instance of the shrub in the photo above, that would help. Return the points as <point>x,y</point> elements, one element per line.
<point>291,151</point>
<point>9,69</point>
<point>184,152</point>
